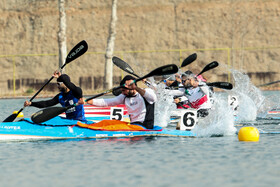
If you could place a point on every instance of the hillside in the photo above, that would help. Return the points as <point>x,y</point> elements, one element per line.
<point>243,35</point>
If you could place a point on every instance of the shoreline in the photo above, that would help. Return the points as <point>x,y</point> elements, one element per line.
<point>89,95</point>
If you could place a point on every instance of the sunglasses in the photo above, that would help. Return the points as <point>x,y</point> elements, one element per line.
<point>59,83</point>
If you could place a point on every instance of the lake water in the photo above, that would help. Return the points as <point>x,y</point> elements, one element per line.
<point>156,161</point>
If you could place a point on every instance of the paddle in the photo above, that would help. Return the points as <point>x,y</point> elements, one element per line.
<point>189,60</point>
<point>274,82</point>
<point>186,62</point>
<point>125,67</point>
<point>49,113</point>
<point>76,52</point>
<point>212,65</point>
<point>222,85</point>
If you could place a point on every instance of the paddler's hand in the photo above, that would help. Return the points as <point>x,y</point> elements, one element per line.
<point>177,100</point>
<point>132,86</point>
<point>82,101</point>
<point>144,81</point>
<point>27,103</point>
<point>56,74</point>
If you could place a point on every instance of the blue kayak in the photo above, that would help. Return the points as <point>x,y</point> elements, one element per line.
<point>61,128</point>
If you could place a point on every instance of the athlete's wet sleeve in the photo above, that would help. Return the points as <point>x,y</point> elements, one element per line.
<point>204,88</point>
<point>150,95</point>
<point>109,102</point>
<point>47,103</point>
<point>77,91</point>
<point>176,92</point>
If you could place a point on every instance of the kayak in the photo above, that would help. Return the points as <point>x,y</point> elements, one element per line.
<point>96,114</point>
<point>273,114</point>
<point>61,128</point>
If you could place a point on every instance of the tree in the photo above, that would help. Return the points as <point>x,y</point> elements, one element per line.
<point>62,33</point>
<point>108,78</point>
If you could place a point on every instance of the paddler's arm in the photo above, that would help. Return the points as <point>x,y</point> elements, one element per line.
<point>77,91</point>
<point>150,85</point>
<point>140,91</point>
<point>43,104</point>
<point>150,95</point>
<point>133,86</point>
<point>105,102</point>
<point>176,92</point>
<point>204,88</point>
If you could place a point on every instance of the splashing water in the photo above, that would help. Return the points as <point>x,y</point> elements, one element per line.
<point>164,106</point>
<point>220,120</point>
<point>251,100</point>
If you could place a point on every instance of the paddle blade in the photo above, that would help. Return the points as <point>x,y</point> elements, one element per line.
<point>47,114</point>
<point>163,70</point>
<point>11,118</point>
<point>123,65</point>
<point>222,85</point>
<point>77,51</point>
<point>212,65</point>
<point>117,91</point>
<point>189,60</point>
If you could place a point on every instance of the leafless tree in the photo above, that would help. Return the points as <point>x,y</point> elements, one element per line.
<point>62,33</point>
<point>108,78</point>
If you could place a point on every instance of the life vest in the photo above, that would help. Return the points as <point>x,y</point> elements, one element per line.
<point>196,97</point>
<point>149,116</point>
<point>196,104</point>
<point>76,112</point>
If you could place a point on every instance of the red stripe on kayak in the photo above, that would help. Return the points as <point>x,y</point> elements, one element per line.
<point>274,112</point>
<point>92,106</point>
<point>104,113</point>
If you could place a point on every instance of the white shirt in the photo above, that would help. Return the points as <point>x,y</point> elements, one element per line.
<point>136,107</point>
<point>194,94</point>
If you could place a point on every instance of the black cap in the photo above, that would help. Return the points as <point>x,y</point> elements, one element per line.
<point>126,78</point>
<point>188,72</point>
<point>63,78</point>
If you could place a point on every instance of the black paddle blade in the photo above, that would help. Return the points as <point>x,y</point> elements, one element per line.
<point>212,65</point>
<point>222,85</point>
<point>47,114</point>
<point>189,60</point>
<point>11,118</point>
<point>122,64</point>
<point>77,51</point>
<point>163,70</point>
<point>117,91</point>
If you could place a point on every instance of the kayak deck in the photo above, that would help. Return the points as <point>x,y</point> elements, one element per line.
<point>26,130</point>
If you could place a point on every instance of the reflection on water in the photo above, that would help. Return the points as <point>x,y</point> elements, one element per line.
<point>143,161</point>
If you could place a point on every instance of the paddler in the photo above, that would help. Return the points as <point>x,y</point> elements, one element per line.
<point>69,95</point>
<point>139,102</point>
<point>197,93</point>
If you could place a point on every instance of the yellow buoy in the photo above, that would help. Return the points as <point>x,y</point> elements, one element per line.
<point>248,134</point>
<point>20,115</point>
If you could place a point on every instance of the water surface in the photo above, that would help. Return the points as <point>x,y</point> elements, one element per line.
<point>156,161</point>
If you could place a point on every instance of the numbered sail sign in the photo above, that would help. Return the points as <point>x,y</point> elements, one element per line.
<point>116,113</point>
<point>233,103</point>
<point>188,118</point>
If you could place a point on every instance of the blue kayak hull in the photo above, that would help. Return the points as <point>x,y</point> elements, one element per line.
<point>29,130</point>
